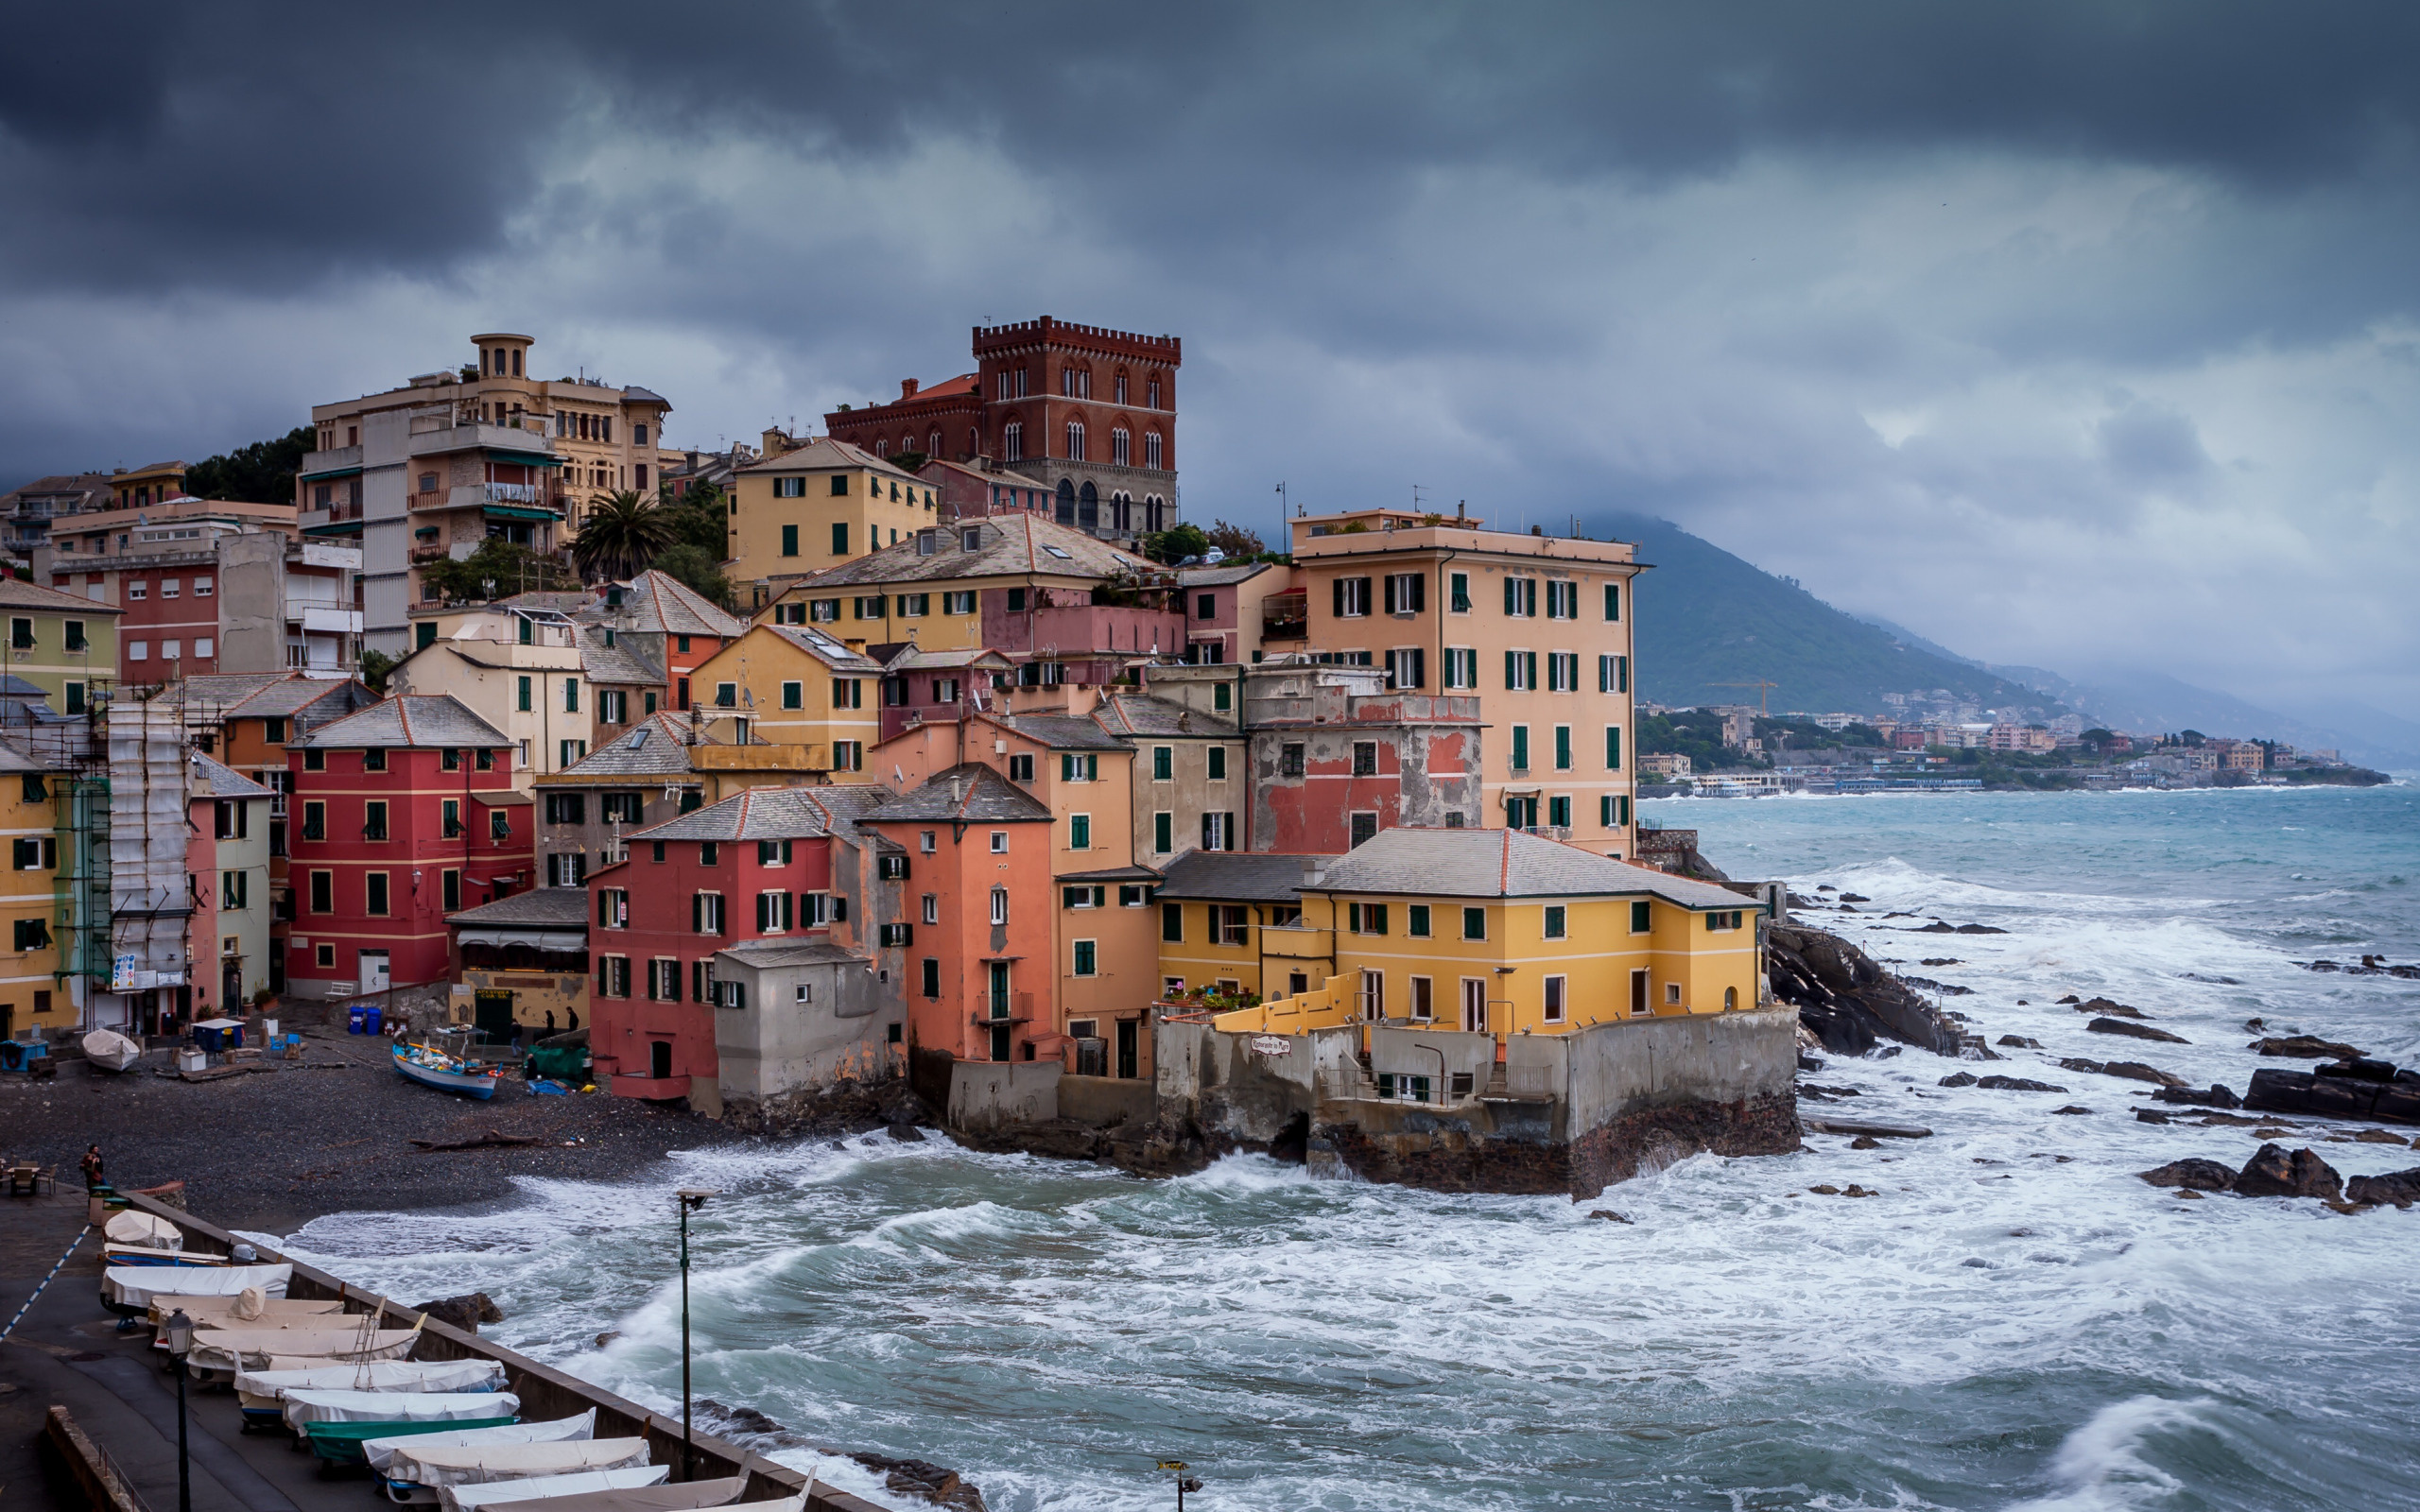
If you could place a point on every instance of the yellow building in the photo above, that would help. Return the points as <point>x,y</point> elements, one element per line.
<point>65,646</point>
<point>30,992</point>
<point>1540,626</point>
<point>1502,932</point>
<point>794,686</point>
<point>815,507</point>
<point>1231,926</point>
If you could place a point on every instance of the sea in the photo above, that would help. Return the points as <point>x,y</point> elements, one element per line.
<point>2012,1320</point>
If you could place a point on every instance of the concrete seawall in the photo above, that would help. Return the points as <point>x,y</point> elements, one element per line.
<point>545,1393</point>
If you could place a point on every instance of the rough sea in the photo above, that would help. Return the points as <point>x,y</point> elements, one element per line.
<point>2014,1321</point>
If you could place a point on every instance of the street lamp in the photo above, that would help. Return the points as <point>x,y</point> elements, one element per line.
<point>690,1199</point>
<point>1184,1483</point>
<point>179,1345</point>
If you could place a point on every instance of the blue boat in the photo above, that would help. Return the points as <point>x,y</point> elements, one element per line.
<point>431,1067</point>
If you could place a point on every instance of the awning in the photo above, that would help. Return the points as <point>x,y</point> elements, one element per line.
<point>337,528</point>
<point>507,798</point>
<point>524,458</point>
<point>353,472</point>
<point>568,941</point>
<point>516,511</point>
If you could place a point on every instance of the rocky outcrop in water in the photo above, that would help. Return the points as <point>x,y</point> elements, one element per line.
<point>844,1108</point>
<point>1850,1002</point>
<point>465,1313</point>
<point>2362,1088</point>
<point>2399,1189</point>
<point>2274,1172</point>
<point>2195,1175</point>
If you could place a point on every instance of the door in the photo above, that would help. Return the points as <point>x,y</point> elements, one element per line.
<point>231,985</point>
<point>659,1058</point>
<point>1473,1005</point>
<point>999,994</point>
<point>1128,1030</point>
<point>1000,1043</point>
<point>1638,994</point>
<point>373,971</point>
<point>491,1009</point>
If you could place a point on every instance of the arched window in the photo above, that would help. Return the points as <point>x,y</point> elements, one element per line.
<point>1066,503</point>
<point>974,443</point>
<point>1154,512</point>
<point>1121,512</point>
<point>1013,441</point>
<point>1153,393</point>
<point>1121,386</point>
<point>935,447</point>
<point>1075,440</point>
<point>1151,454</point>
<point>882,446</point>
<point>1067,382</point>
<point>1020,384</point>
<point>1088,509</point>
<point>1729,999</point>
<point>1121,449</point>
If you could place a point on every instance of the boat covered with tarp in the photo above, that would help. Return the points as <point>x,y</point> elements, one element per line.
<point>458,1408</point>
<point>134,1238</point>
<point>378,1451</point>
<point>243,1348</point>
<point>493,1493</point>
<point>667,1497</point>
<point>418,1464</point>
<point>130,1288</point>
<point>110,1050</point>
<point>262,1393</point>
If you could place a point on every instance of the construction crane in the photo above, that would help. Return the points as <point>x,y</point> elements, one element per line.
<point>1762,686</point>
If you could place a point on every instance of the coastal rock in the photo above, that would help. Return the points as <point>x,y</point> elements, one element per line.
<point>904,1133</point>
<point>2274,1172</point>
<point>2070,1108</point>
<point>1865,1141</point>
<point>2138,1031</point>
<point>2104,1005</point>
<point>1938,927</point>
<point>2358,1068</point>
<point>2016,1084</point>
<point>2216,1096</point>
<point>2018,1041</point>
<point>2137,1070</point>
<point>1958,1078</point>
<point>1855,898</point>
<point>1847,999</point>
<point>2149,1115</point>
<point>465,1313</point>
<point>1606,1216</point>
<point>2398,1188</point>
<point>1979,929</point>
<point>2199,1175</point>
<point>2069,998</point>
<point>2301,1092</point>
<point>1940,960</point>
<point>2303,1047</point>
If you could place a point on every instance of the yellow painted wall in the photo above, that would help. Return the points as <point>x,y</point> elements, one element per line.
<point>29,895</point>
<point>890,503</point>
<point>757,665</point>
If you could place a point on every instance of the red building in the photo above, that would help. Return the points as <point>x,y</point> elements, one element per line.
<point>981,978</point>
<point>770,863</point>
<point>1088,413</point>
<point>401,814</point>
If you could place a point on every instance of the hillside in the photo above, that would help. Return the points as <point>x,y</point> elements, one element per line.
<point>1706,618</point>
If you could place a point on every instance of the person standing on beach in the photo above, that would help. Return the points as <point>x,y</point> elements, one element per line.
<point>91,1165</point>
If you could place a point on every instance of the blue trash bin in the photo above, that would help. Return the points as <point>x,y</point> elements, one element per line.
<point>373,1021</point>
<point>358,1021</point>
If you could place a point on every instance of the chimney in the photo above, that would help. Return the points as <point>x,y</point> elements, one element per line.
<point>957,791</point>
<point>1314,870</point>
<point>906,388</point>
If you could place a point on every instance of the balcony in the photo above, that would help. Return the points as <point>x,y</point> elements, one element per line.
<point>1074,633</point>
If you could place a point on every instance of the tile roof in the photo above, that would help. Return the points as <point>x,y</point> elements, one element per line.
<point>422,721</point>
<point>1109,875</point>
<point>545,907</point>
<point>769,814</point>
<point>906,656</point>
<point>225,782</point>
<point>824,455</point>
<point>16,593</point>
<point>657,746</point>
<point>546,601</point>
<point>622,662</point>
<point>218,693</point>
<point>14,760</point>
<point>659,601</point>
<point>1140,714</point>
<point>773,953</point>
<point>313,700</point>
<point>970,790</point>
<point>636,395</point>
<point>1237,876</point>
<point>1009,545</point>
<point>1221,574</point>
<point>1505,864</point>
<point>824,649</point>
<point>1062,731</point>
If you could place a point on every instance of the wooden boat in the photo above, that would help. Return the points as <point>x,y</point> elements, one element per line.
<point>111,1051</point>
<point>432,1067</point>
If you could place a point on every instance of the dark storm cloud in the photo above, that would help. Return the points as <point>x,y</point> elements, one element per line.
<point>248,145</point>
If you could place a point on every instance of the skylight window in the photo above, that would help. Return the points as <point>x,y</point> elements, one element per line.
<point>1060,552</point>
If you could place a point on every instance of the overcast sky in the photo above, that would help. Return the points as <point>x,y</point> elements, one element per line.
<point>2064,335</point>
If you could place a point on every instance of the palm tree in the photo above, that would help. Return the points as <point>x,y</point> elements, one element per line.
<point>623,533</point>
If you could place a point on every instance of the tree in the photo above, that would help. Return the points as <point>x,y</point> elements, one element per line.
<point>622,534</point>
<point>498,569</point>
<point>374,667</point>
<point>262,472</point>
<point>698,569</point>
<point>1236,541</point>
<point>1175,545</point>
<point>700,518</point>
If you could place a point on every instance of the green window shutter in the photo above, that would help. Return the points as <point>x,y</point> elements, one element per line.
<point>1080,832</point>
<point>1474,924</point>
<point>425,634</point>
<point>1163,763</point>
<point>571,695</point>
<point>789,540</point>
<point>521,700</point>
<point>840,539</point>
<point>1163,832</point>
<point>1562,747</point>
<point>1511,595</point>
<point>1613,601</point>
<point>1529,670</point>
<point>1640,919</point>
<point>1605,812</point>
<point>1621,674</point>
<point>1512,671</point>
<point>1173,922</point>
<point>1520,748</point>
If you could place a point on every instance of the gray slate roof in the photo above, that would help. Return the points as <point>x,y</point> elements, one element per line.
<point>14,760</point>
<point>906,656</point>
<point>1011,545</point>
<point>824,649</point>
<point>661,602</point>
<point>983,796</point>
<point>656,746</point>
<point>1235,876</point>
<point>422,721</point>
<point>619,662</point>
<point>766,813</point>
<point>1223,573</point>
<point>1505,864</point>
<point>545,907</point>
<point>308,701</point>
<point>18,594</point>
<point>225,782</point>
<point>824,455</point>
<point>767,953</point>
<point>1063,731</point>
<point>1140,714</point>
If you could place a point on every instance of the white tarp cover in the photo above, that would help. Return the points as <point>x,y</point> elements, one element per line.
<point>561,1429</point>
<point>382,1375</point>
<point>147,1230</point>
<point>136,1285</point>
<point>234,1348</point>
<point>397,1406</point>
<point>666,1498</point>
<point>439,1465</point>
<point>206,1310</point>
<point>460,1498</point>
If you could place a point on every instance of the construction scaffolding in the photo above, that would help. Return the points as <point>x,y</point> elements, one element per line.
<point>151,899</point>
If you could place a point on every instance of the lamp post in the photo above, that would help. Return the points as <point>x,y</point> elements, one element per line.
<point>690,1199</point>
<point>1184,1483</point>
<point>179,1345</point>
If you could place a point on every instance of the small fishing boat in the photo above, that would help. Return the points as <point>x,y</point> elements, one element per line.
<point>432,1067</point>
<point>111,1051</point>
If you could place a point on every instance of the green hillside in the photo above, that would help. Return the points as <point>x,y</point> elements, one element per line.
<point>1706,618</point>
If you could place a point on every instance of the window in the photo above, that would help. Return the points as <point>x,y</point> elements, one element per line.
<point>840,535</point>
<point>932,910</point>
<point>1021,768</point>
<point>1613,748</point>
<point>1461,666</point>
<point>1554,922</point>
<point>959,603</point>
<point>1084,768</point>
<point>1562,672</point>
<point>1407,667</point>
<point>1222,697</point>
<point>450,812</point>
<point>1559,812</point>
<point>915,605</point>
<point>1080,832</point>
<point>848,693</point>
<point>777,853</point>
<point>172,650</point>
<point>705,913</point>
<point>1520,671</point>
<point>569,751</point>
<point>450,889</point>
<point>999,905</point>
<point>613,976</point>
<point>1087,957</point>
<point>138,650</point>
<point>1013,436</point>
<point>1563,601</point>
<point>1640,917</point>
<point>1562,747</point>
<point>1366,919</point>
<point>790,488</point>
<point>1218,832</point>
<point>326,955</point>
<point>566,869</point>
<point>1016,600</point>
<point>75,637</point>
<point>374,894</point>
<point>1289,759</point>
<point>1555,990</point>
<point>1372,998</point>
<point>38,853</point>
<point>137,589</point>
<point>613,907</point>
<point>931,984</point>
<point>171,587</point>
<point>324,892</point>
<point>499,825</point>
<point>1521,597</point>
<point>566,808</point>
<point>823,612</point>
<point>613,707</point>
<point>663,980</point>
<point>1364,827</point>
<point>1163,832</point>
<point>1519,760</point>
<point>772,912</point>
<point>373,820</point>
<point>1673,993</point>
<point>1725,919</point>
<point>1217,757</point>
<point>1350,598</point>
<point>1613,601</point>
<point>1163,763</point>
<point>1424,1003</point>
<point>1076,440</point>
<point>1474,924</point>
<point>790,533</point>
<point>315,821</point>
<point>74,698</point>
<point>31,934</point>
<point>1365,758</point>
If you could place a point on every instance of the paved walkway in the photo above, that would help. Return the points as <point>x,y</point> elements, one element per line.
<point>68,1352</point>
